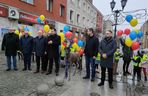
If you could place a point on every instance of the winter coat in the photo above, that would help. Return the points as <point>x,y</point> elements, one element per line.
<point>10,44</point>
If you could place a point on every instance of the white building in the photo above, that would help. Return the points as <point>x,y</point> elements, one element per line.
<point>81,14</point>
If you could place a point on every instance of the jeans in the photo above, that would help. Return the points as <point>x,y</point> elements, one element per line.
<point>90,62</point>
<point>27,61</point>
<point>9,62</point>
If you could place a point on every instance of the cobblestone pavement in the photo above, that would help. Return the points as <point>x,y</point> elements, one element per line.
<point>19,83</point>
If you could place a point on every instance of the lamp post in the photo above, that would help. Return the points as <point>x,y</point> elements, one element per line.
<point>116,12</point>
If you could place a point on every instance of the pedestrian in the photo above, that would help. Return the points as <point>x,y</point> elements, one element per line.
<point>137,66</point>
<point>108,47</point>
<point>91,51</point>
<point>127,55</point>
<point>52,49</point>
<point>26,47</point>
<point>39,51</point>
<point>10,44</point>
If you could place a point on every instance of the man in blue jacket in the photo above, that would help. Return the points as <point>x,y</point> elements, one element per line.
<point>26,45</point>
<point>39,49</point>
<point>108,47</point>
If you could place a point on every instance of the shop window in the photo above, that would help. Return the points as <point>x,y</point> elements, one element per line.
<point>49,5</point>
<point>62,10</point>
<point>28,1</point>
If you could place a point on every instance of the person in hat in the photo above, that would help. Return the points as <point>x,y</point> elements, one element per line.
<point>10,44</point>
<point>26,47</point>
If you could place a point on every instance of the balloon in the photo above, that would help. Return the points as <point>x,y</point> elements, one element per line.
<point>78,49</point>
<point>39,20</point>
<point>66,29</point>
<point>128,42</point>
<point>17,32</point>
<point>30,33</point>
<point>135,45</point>
<point>42,17</point>
<point>129,18</point>
<point>127,31</point>
<point>119,33</point>
<point>133,22</point>
<point>68,35</point>
<point>46,28</point>
<point>136,30</point>
<point>80,43</point>
<point>61,35</point>
<point>133,35</point>
<point>81,52</point>
<point>26,29</point>
<point>75,40</point>
<point>140,34</point>
<point>75,46</point>
<point>64,44</point>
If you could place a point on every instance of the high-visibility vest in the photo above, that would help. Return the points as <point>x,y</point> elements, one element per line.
<point>98,56</point>
<point>72,50</point>
<point>62,53</point>
<point>135,63</point>
<point>117,55</point>
<point>144,57</point>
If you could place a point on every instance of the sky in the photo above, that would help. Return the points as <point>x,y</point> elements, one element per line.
<point>104,7</point>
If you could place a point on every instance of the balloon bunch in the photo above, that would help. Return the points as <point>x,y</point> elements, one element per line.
<point>76,45</point>
<point>42,20</point>
<point>131,35</point>
<point>20,31</point>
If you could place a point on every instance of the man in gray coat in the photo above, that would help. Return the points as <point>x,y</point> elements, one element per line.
<point>108,47</point>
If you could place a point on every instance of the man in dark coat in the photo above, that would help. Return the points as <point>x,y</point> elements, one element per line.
<point>91,51</point>
<point>108,47</point>
<point>127,56</point>
<point>52,49</point>
<point>10,44</point>
<point>26,47</point>
<point>39,49</point>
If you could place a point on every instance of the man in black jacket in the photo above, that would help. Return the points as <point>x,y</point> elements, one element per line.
<point>108,47</point>
<point>52,49</point>
<point>10,44</point>
<point>91,51</point>
<point>39,49</point>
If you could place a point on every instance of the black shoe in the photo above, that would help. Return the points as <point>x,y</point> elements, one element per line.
<point>92,79</point>
<point>15,69</point>
<point>24,69</point>
<point>128,73</point>
<point>57,74</point>
<point>145,78</point>
<point>111,86</point>
<point>48,73</point>
<point>124,74</point>
<point>8,69</point>
<point>101,84</point>
<point>29,69</point>
<point>42,72</point>
<point>86,77</point>
<point>36,72</point>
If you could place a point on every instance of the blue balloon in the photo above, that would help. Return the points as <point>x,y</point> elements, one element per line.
<point>26,29</point>
<point>133,35</point>
<point>66,29</point>
<point>80,43</point>
<point>140,34</point>
<point>129,18</point>
<point>39,20</point>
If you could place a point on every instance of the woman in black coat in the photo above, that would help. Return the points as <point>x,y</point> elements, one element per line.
<point>10,44</point>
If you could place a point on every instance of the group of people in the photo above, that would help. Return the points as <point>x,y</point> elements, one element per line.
<point>45,48</point>
<point>47,52</point>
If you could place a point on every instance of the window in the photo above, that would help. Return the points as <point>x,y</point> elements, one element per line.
<point>78,16</point>
<point>83,21</point>
<point>28,1</point>
<point>49,5</point>
<point>78,3</point>
<point>84,6</point>
<point>62,10</point>
<point>71,14</point>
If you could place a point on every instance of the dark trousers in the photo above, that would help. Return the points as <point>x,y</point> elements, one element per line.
<point>110,74</point>
<point>56,60</point>
<point>90,62</point>
<point>137,70</point>
<point>45,62</point>
<point>27,61</point>
<point>126,65</point>
<point>9,62</point>
<point>39,59</point>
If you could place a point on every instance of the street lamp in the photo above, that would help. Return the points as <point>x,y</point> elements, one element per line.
<point>112,5</point>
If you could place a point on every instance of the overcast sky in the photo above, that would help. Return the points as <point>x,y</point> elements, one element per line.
<point>104,6</point>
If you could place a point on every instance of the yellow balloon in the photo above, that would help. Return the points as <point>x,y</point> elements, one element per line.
<point>128,42</point>
<point>42,17</point>
<point>136,30</point>
<point>134,22</point>
<point>17,32</point>
<point>78,49</point>
<point>75,45</point>
<point>46,28</point>
<point>30,33</point>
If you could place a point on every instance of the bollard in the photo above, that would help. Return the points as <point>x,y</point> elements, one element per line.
<point>42,90</point>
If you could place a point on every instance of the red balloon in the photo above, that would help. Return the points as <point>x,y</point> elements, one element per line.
<point>127,31</point>
<point>119,33</point>
<point>135,45</point>
<point>64,44</point>
<point>75,40</point>
<point>68,35</point>
<point>81,52</point>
